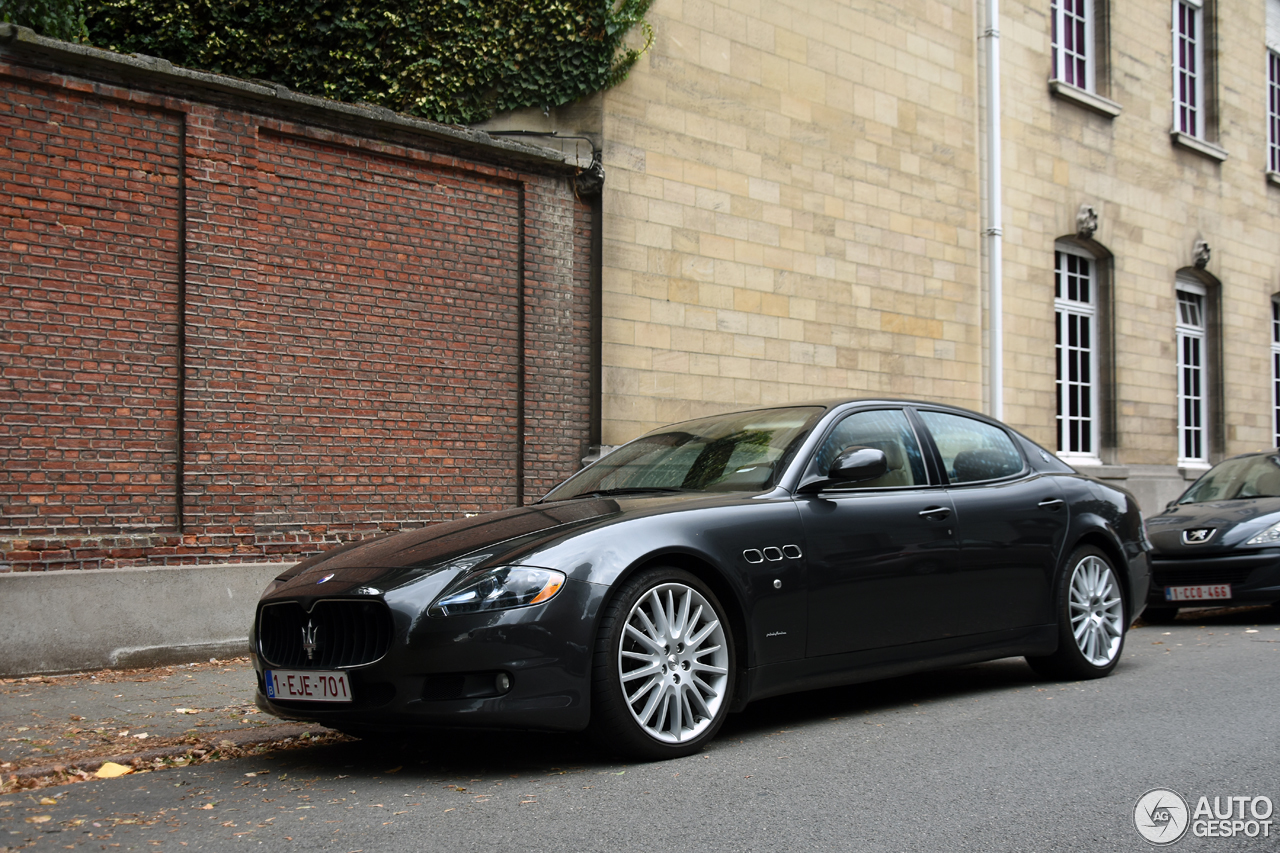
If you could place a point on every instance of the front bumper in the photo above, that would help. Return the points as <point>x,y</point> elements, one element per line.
<point>1254,577</point>
<point>443,671</point>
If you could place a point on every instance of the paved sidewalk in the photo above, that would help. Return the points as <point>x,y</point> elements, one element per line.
<point>59,728</point>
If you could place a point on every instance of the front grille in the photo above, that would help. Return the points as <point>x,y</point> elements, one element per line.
<point>1195,575</point>
<point>334,634</point>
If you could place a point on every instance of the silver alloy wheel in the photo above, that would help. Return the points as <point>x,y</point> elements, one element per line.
<point>1097,611</point>
<point>673,663</point>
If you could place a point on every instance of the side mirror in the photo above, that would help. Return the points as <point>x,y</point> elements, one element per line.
<point>858,464</point>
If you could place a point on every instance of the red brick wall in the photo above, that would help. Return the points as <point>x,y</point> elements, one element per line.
<point>234,335</point>
<point>89,294</point>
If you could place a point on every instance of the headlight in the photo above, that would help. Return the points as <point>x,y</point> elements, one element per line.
<point>498,589</point>
<point>1270,536</point>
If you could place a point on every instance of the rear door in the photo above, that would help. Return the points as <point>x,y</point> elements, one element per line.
<point>1011,524</point>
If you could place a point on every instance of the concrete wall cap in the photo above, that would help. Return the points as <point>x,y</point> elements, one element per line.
<point>18,41</point>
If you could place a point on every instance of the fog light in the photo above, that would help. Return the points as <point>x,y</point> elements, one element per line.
<point>503,682</point>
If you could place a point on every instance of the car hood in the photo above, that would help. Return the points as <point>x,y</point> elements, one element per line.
<point>490,539</point>
<point>1230,524</point>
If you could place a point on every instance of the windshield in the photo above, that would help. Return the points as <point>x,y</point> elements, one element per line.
<point>728,453</point>
<point>1236,479</point>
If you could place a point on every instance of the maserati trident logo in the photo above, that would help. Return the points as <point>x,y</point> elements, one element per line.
<point>1199,536</point>
<point>309,640</point>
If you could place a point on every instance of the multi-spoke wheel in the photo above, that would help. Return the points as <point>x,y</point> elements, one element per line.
<point>663,667</point>
<point>1091,619</point>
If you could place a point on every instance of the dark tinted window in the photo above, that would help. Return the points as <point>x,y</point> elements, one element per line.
<point>886,430</point>
<point>972,450</point>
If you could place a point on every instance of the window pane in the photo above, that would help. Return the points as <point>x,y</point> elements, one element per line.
<point>972,450</point>
<point>887,430</point>
<point>1074,361</point>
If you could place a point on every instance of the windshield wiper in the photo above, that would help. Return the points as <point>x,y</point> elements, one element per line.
<point>634,490</point>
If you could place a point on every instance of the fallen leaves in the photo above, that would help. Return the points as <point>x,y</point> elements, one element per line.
<point>111,770</point>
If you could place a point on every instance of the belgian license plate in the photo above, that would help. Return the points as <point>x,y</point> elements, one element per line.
<point>308,686</point>
<point>1205,592</point>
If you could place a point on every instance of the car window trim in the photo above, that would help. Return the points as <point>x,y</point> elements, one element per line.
<point>941,469</point>
<point>809,473</point>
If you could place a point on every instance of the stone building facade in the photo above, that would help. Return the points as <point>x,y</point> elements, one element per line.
<point>793,209</point>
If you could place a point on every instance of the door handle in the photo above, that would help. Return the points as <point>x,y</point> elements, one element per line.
<point>935,513</point>
<point>1051,504</point>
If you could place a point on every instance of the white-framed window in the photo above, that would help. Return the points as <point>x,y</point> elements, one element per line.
<point>1273,85</point>
<point>1273,111</point>
<point>1275,370</point>
<point>1188,67</point>
<point>1075,299</point>
<point>1072,39</point>
<point>1193,374</point>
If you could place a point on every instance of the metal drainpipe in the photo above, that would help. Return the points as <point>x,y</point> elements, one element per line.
<point>994,229</point>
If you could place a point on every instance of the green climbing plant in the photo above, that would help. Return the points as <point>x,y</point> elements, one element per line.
<point>455,61</point>
<point>59,19</point>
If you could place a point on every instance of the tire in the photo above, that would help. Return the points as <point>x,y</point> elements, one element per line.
<point>1159,615</point>
<point>644,659</point>
<point>1092,619</point>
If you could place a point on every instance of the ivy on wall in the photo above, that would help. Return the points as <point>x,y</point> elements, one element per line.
<point>455,61</point>
<point>59,19</point>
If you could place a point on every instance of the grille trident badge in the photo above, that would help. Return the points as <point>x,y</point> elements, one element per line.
<point>309,640</point>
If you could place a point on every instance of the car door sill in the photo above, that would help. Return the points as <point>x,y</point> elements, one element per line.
<point>872,664</point>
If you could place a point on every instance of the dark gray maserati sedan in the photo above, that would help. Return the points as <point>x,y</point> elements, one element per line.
<point>708,564</point>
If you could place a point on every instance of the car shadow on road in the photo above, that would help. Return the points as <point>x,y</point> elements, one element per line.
<point>487,754</point>
<point>1249,615</point>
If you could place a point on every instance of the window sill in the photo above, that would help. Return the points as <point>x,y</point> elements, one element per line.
<point>1191,470</point>
<point>1088,100</point>
<point>1273,178</point>
<point>1199,146</point>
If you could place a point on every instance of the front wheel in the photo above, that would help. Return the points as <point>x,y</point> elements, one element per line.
<point>1091,619</point>
<point>663,668</point>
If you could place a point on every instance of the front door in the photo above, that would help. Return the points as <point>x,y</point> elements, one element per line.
<point>882,554</point>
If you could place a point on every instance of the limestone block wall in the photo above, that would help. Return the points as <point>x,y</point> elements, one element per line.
<point>791,210</point>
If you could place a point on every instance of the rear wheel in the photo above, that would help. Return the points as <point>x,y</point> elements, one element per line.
<point>1091,619</point>
<point>664,667</point>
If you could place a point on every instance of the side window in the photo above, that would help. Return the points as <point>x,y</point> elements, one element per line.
<point>972,450</point>
<point>887,430</point>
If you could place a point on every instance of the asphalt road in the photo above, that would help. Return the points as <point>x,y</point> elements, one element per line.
<point>975,758</point>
